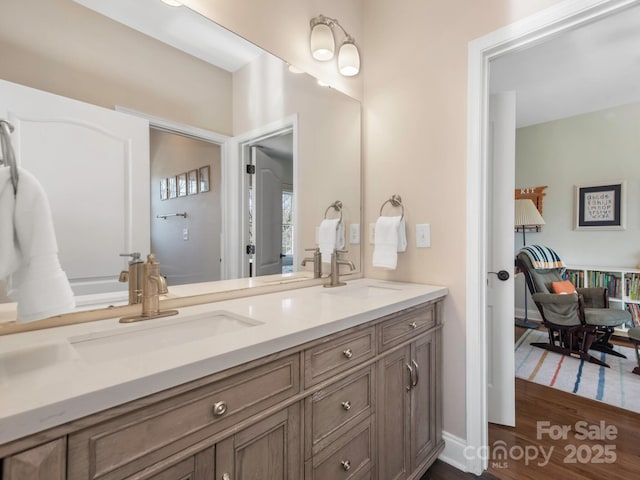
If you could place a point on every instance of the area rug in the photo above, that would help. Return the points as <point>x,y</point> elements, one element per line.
<point>615,385</point>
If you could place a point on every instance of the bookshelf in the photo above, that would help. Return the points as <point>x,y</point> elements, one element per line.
<point>623,286</point>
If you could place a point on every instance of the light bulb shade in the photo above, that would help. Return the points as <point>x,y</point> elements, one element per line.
<point>526,213</point>
<point>349,59</point>
<point>323,45</point>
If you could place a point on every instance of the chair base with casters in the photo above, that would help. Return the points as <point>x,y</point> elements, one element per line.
<point>634,336</point>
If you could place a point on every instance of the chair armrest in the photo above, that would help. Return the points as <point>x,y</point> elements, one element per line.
<point>560,309</point>
<point>594,297</point>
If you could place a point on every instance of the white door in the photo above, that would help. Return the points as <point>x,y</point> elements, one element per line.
<point>268,195</point>
<point>93,164</point>
<point>500,308</point>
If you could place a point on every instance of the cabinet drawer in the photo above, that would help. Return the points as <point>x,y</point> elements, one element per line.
<point>349,459</point>
<point>400,327</point>
<point>330,411</point>
<point>337,353</point>
<point>122,446</point>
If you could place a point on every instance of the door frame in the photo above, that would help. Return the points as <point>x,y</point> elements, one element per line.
<point>534,29</point>
<point>240,156</point>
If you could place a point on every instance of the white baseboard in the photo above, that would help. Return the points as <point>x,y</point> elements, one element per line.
<point>453,452</point>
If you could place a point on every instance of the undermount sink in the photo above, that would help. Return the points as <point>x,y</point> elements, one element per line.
<point>37,357</point>
<point>155,334</point>
<point>362,291</point>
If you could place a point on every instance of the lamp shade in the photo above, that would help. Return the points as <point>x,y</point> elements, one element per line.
<point>322,43</point>
<point>349,59</point>
<point>526,213</point>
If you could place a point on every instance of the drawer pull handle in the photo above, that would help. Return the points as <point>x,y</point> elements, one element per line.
<point>413,325</point>
<point>346,465</point>
<point>346,405</point>
<point>226,476</point>
<point>348,353</point>
<point>219,408</point>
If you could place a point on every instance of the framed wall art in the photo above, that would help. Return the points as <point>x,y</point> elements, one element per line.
<point>600,206</point>
<point>172,186</point>
<point>204,178</point>
<point>192,182</point>
<point>164,191</point>
<point>182,185</point>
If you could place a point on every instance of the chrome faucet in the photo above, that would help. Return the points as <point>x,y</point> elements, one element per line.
<point>153,285</point>
<point>317,261</point>
<point>134,276</point>
<point>335,269</point>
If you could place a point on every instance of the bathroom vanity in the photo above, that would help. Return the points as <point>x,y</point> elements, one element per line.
<point>311,383</point>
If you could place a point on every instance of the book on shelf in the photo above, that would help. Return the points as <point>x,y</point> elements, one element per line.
<point>634,310</point>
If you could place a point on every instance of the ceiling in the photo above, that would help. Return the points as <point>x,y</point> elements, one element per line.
<point>591,68</point>
<point>181,28</point>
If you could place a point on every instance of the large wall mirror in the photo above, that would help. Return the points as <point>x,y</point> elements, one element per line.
<point>200,115</point>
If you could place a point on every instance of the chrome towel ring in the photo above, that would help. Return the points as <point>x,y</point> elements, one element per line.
<point>395,201</point>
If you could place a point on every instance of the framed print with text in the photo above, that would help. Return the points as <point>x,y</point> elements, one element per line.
<point>600,207</point>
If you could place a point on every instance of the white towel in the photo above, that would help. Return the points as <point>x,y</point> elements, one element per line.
<point>330,237</point>
<point>38,284</point>
<point>9,252</point>
<point>390,238</point>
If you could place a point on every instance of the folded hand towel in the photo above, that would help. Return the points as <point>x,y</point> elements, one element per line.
<point>390,238</point>
<point>330,237</point>
<point>39,285</point>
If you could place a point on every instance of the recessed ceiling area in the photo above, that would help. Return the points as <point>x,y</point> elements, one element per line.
<point>590,68</point>
<point>182,28</point>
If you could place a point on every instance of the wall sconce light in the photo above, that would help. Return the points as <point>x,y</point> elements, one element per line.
<point>323,45</point>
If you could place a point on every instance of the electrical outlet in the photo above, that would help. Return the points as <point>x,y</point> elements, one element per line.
<point>354,233</point>
<point>185,234</point>
<point>423,235</point>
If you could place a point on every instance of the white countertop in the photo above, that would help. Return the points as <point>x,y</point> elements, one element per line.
<point>52,376</point>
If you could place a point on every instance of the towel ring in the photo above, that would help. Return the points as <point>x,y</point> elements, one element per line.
<point>396,201</point>
<point>337,206</point>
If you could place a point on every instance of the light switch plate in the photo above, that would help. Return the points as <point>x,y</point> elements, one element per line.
<point>423,235</point>
<point>185,234</point>
<point>354,233</point>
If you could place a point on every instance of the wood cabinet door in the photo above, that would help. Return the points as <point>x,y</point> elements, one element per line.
<point>45,462</point>
<point>269,450</point>
<point>423,400</point>
<point>393,405</point>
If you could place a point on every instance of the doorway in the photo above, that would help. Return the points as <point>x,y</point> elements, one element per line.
<point>534,29</point>
<point>185,207</point>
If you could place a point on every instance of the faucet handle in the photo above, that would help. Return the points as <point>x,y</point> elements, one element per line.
<point>135,257</point>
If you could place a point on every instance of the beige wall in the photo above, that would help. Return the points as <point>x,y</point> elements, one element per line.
<point>415,101</point>
<point>64,48</point>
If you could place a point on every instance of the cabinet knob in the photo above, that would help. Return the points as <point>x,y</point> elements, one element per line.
<point>346,465</point>
<point>348,353</point>
<point>346,405</point>
<point>413,325</point>
<point>219,409</point>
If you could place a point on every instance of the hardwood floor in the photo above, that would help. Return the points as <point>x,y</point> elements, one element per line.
<point>611,449</point>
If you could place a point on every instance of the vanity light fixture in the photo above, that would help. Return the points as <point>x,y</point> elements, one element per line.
<point>322,43</point>
<point>172,3</point>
